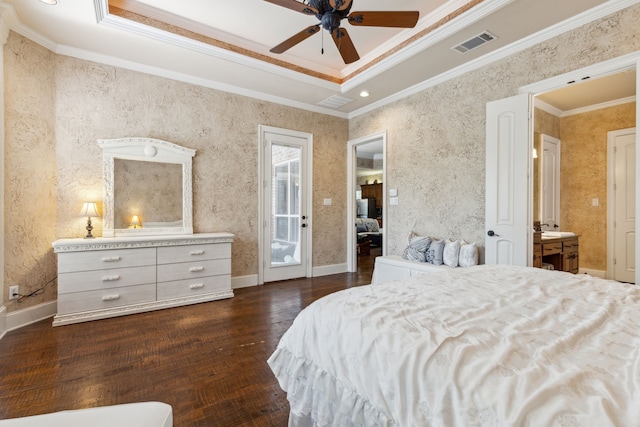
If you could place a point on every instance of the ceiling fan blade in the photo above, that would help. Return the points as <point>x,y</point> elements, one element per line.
<point>345,46</point>
<point>384,19</point>
<point>344,4</point>
<point>292,41</point>
<point>297,6</point>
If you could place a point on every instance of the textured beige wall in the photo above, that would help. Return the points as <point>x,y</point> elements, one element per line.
<point>85,101</point>
<point>436,156</point>
<point>99,101</point>
<point>30,171</point>
<point>583,177</point>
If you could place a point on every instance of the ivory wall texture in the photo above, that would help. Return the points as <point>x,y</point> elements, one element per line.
<point>436,155</point>
<point>583,174</point>
<point>57,107</point>
<point>30,171</point>
<point>82,101</point>
<point>583,177</point>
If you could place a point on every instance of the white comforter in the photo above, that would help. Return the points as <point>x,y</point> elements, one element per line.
<point>479,346</point>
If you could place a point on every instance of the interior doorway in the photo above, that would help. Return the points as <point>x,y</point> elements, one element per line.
<point>601,70</point>
<point>366,208</point>
<point>548,192</point>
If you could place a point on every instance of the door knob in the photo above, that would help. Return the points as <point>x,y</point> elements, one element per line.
<point>303,225</point>
<point>490,233</point>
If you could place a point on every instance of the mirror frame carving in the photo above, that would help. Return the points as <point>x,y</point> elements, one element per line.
<point>146,150</point>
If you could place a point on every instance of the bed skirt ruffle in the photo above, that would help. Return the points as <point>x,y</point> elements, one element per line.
<point>317,399</point>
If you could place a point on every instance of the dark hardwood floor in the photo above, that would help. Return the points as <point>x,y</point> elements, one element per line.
<point>208,361</point>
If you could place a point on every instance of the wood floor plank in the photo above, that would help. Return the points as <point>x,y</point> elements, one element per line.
<point>208,361</point>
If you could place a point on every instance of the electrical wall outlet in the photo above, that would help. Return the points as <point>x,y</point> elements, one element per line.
<point>14,292</point>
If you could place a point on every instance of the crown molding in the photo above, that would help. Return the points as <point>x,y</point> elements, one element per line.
<point>591,15</point>
<point>163,36</point>
<point>423,25</point>
<point>211,84</point>
<point>10,21</point>
<point>538,103</point>
<point>437,35</point>
<point>599,106</point>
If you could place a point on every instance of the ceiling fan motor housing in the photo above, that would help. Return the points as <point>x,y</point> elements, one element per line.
<point>329,18</point>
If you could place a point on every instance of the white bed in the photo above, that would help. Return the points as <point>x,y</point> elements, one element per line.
<point>479,346</point>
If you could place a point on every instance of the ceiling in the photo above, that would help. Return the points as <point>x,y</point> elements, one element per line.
<point>225,45</point>
<point>593,92</point>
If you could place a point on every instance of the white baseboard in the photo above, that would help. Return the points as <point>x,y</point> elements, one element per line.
<point>20,318</point>
<point>326,270</point>
<point>595,273</point>
<point>244,281</point>
<point>3,320</point>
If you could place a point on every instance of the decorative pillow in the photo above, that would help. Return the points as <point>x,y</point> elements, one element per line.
<point>434,252</point>
<point>416,251</point>
<point>361,228</point>
<point>468,254</point>
<point>372,225</point>
<point>451,253</point>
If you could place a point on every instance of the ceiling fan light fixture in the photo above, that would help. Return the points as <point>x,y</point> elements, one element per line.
<point>364,94</point>
<point>50,2</point>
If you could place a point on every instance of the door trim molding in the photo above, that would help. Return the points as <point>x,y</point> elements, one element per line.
<point>262,130</point>
<point>615,65</point>
<point>352,261</point>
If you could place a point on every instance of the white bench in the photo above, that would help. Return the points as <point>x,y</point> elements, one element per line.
<point>143,414</point>
<point>393,267</point>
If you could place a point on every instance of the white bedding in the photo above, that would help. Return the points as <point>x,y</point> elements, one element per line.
<point>479,346</point>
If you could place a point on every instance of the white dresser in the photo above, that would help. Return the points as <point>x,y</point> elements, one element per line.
<point>107,277</point>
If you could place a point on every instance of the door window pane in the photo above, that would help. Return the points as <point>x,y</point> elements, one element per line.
<point>286,204</point>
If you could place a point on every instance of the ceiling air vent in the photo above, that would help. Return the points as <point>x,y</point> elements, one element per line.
<point>474,42</point>
<point>335,101</point>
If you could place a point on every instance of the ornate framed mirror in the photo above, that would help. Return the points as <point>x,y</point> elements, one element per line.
<point>147,187</point>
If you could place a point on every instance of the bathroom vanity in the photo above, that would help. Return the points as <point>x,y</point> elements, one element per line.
<point>557,250</point>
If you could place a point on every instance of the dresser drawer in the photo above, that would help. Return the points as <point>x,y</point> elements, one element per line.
<point>191,253</point>
<point>196,286</point>
<point>189,270</point>
<point>551,248</point>
<point>100,260</point>
<point>570,245</point>
<point>107,298</point>
<point>105,279</point>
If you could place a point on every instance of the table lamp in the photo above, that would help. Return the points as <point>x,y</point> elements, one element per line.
<point>89,209</point>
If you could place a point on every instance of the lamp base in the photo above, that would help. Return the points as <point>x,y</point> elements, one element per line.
<point>89,228</point>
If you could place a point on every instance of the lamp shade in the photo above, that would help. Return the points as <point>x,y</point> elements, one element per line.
<point>135,221</point>
<point>89,209</point>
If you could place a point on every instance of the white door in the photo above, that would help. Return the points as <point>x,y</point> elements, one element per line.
<point>623,149</point>
<point>509,219</point>
<point>550,185</point>
<point>286,209</point>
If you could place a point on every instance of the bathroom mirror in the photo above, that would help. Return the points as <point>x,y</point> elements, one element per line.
<point>147,186</point>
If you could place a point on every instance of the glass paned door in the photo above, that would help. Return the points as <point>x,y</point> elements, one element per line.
<point>285,211</point>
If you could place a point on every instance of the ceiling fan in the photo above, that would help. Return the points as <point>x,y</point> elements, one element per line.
<point>330,13</point>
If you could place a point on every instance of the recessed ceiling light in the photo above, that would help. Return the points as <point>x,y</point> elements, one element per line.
<point>364,94</point>
<point>52,2</point>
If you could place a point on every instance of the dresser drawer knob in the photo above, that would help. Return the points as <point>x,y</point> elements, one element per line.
<point>110,297</point>
<point>196,286</point>
<point>111,259</point>
<point>200,252</point>
<point>111,278</point>
<point>196,269</point>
